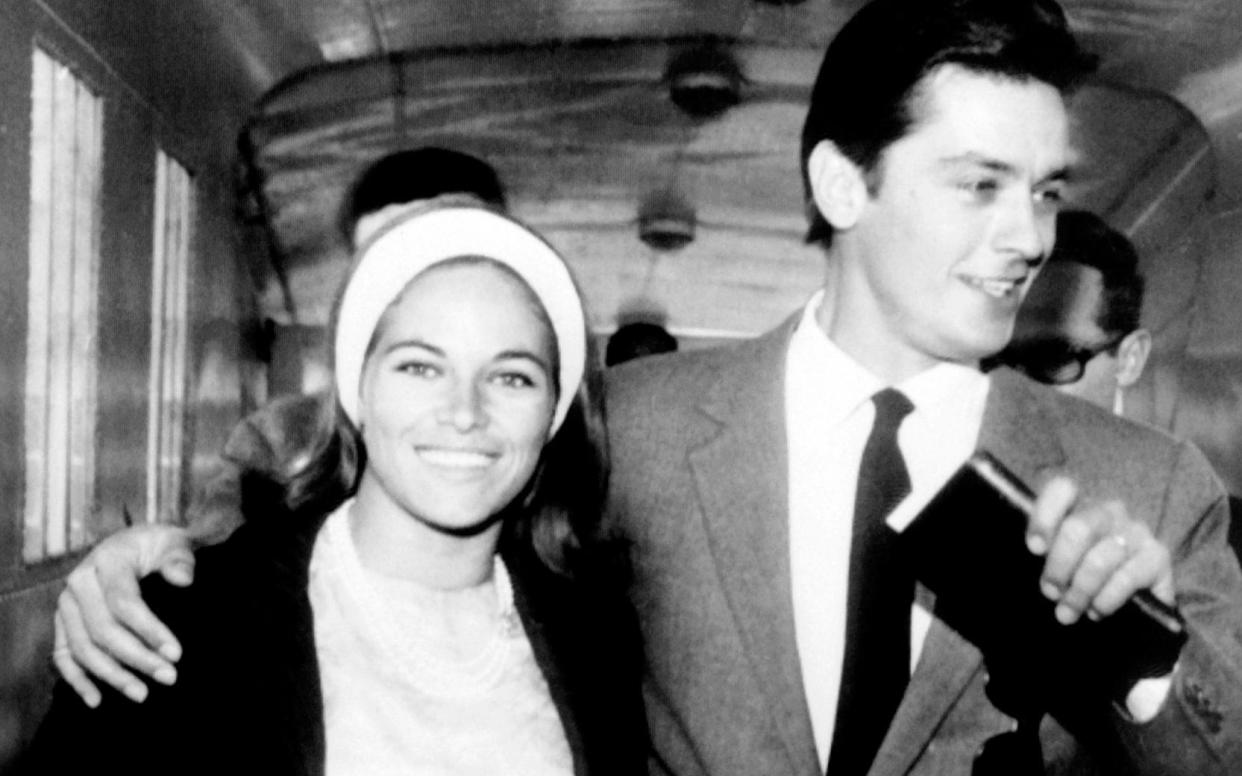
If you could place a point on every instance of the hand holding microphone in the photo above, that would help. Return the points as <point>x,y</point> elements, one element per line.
<point>1028,576</point>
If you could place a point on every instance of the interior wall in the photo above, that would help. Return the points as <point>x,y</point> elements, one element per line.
<point>1209,406</point>
<point>198,128</point>
<point>1189,239</point>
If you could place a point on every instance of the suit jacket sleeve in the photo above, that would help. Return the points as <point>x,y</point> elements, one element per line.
<point>256,457</point>
<point>119,736</point>
<point>1199,728</point>
<point>217,511</point>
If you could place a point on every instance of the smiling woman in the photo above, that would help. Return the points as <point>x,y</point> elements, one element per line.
<point>443,617</point>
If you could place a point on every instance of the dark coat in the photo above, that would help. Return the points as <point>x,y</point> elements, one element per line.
<point>248,697</point>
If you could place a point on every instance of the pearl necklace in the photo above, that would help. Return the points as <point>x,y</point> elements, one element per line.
<point>414,657</point>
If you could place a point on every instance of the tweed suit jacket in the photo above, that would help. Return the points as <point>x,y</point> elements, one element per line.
<point>699,487</point>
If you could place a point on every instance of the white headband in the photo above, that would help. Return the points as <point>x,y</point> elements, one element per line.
<point>426,237</point>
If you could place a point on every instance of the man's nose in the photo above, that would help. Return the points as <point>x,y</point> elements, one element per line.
<point>1026,229</point>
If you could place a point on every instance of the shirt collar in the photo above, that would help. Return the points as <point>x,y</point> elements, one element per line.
<point>822,360</point>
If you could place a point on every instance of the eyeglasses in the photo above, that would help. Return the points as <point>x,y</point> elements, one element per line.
<point>1053,361</point>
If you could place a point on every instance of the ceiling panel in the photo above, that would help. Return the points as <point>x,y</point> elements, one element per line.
<point>581,134</point>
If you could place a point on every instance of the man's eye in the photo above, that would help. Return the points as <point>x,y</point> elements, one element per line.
<point>1050,196</point>
<point>980,186</point>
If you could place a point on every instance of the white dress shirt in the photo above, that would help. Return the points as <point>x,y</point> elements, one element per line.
<point>828,416</point>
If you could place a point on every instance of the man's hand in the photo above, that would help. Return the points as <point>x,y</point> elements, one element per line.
<point>1096,556</point>
<point>103,627</point>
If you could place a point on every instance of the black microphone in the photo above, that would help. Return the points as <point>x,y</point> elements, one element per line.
<point>968,546</point>
<point>1016,492</point>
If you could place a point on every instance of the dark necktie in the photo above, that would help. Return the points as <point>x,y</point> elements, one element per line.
<point>881,591</point>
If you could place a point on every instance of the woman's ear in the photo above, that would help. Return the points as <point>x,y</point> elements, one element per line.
<point>1132,353</point>
<point>837,185</point>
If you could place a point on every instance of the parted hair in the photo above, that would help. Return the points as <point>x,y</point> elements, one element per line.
<point>417,174</point>
<point>865,96</point>
<point>1085,238</point>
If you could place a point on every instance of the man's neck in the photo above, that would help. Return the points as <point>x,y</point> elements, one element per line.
<point>872,347</point>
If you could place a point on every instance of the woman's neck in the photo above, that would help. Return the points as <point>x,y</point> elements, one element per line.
<point>392,542</point>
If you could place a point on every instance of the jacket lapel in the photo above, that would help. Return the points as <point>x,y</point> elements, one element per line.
<point>1019,430</point>
<point>746,517</point>
<point>552,647</point>
<point>275,665</point>
<point>946,667</point>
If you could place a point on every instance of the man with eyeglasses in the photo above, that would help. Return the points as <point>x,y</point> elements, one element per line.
<point>1078,328</point>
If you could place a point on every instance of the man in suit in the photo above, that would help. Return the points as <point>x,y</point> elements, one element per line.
<point>934,152</point>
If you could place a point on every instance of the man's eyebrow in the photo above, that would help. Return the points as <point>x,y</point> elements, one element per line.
<point>1061,174</point>
<point>974,159</point>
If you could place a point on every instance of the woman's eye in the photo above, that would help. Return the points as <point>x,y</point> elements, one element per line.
<point>514,380</point>
<point>418,369</point>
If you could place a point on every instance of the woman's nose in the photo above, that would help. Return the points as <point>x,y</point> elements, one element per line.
<point>463,407</point>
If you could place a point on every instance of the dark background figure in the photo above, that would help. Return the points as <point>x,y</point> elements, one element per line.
<point>636,339</point>
<point>404,177</point>
<point>1080,326</point>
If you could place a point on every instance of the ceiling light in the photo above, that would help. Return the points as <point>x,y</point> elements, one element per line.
<point>704,80</point>
<point>666,221</point>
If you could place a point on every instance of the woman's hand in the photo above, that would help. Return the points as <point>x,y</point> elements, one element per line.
<point>103,629</point>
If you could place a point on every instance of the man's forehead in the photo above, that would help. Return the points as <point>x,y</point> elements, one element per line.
<point>993,121</point>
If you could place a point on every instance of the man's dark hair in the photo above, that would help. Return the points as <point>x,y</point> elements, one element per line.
<point>864,97</point>
<point>1085,238</point>
<point>637,339</point>
<point>419,173</point>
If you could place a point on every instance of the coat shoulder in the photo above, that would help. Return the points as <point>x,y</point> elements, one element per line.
<point>1124,449</point>
<point>666,385</point>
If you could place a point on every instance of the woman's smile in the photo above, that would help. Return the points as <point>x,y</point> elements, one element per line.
<point>456,458</point>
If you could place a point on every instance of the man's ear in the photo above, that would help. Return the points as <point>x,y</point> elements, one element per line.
<point>1132,353</point>
<point>837,185</point>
